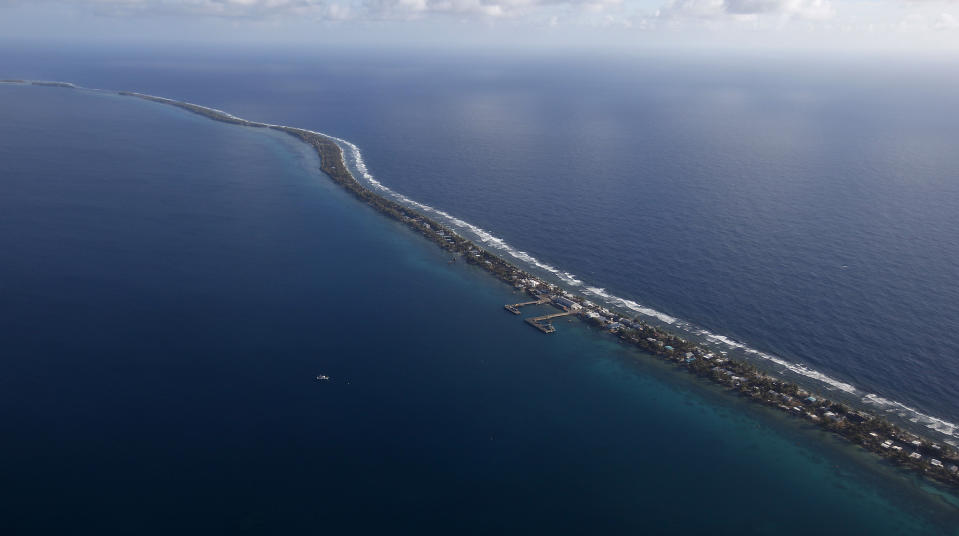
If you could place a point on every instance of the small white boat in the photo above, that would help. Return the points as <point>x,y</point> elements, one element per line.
<point>322,378</point>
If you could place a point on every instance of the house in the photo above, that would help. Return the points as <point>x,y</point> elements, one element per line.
<point>886,444</point>
<point>935,463</point>
<point>915,456</point>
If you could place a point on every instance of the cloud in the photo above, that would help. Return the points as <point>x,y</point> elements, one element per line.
<point>946,21</point>
<point>919,23</point>
<point>746,10</point>
<point>209,8</point>
<point>333,10</point>
<point>491,9</point>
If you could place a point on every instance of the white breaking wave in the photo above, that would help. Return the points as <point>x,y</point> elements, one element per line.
<point>495,242</point>
<point>483,235</point>
<point>890,406</point>
<point>913,415</point>
<point>614,300</point>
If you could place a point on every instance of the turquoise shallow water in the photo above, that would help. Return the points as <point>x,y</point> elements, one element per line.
<point>172,285</point>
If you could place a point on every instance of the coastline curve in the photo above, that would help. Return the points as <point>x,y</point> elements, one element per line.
<point>950,431</point>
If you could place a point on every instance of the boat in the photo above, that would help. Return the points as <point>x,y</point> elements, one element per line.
<point>322,378</point>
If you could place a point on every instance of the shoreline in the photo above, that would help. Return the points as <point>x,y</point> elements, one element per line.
<point>935,461</point>
<point>792,370</point>
<point>939,463</point>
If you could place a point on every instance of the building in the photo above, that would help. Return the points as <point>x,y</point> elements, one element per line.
<point>567,304</point>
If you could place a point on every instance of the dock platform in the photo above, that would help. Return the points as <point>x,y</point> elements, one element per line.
<point>514,307</point>
<point>544,324</point>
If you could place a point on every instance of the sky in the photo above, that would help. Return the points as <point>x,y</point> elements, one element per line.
<point>930,25</point>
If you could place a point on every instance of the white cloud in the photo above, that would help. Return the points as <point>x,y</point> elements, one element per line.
<point>213,8</point>
<point>946,21</point>
<point>746,10</point>
<point>344,9</point>
<point>919,23</point>
<point>884,24</point>
<point>491,9</point>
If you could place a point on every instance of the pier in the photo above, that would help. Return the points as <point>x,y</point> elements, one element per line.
<point>514,307</point>
<point>543,323</point>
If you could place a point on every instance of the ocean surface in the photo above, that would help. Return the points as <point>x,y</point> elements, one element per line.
<point>802,207</point>
<point>172,285</point>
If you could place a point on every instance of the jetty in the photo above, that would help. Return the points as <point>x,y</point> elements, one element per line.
<point>514,307</point>
<point>544,324</point>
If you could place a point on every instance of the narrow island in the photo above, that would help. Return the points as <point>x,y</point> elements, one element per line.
<point>52,84</point>
<point>938,462</point>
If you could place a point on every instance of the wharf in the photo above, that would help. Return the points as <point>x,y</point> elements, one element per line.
<point>543,323</point>
<point>514,307</point>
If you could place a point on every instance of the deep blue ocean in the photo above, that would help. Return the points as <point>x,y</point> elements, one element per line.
<point>172,285</point>
<point>803,206</point>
